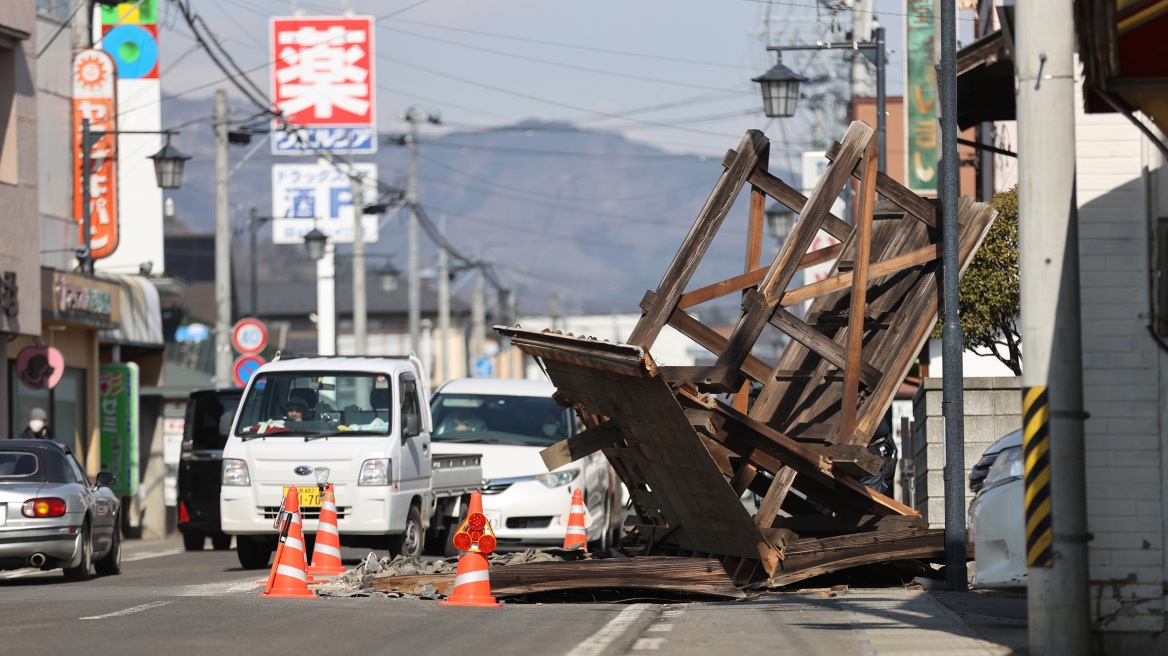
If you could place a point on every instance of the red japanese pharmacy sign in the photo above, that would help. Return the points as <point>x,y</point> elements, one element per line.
<point>94,98</point>
<point>323,84</point>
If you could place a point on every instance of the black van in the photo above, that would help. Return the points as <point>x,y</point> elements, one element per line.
<point>200,470</point>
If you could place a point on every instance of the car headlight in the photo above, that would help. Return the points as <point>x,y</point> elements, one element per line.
<point>558,478</point>
<point>1008,465</point>
<point>235,472</point>
<point>374,472</point>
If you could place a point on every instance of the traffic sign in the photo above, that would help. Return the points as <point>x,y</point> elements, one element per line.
<point>245,367</point>
<point>249,336</point>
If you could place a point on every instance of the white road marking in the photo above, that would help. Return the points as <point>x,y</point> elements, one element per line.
<point>598,642</point>
<point>129,611</point>
<point>146,555</point>
<point>661,628</point>
<point>648,644</point>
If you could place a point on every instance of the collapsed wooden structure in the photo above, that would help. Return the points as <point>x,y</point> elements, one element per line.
<point>687,457</point>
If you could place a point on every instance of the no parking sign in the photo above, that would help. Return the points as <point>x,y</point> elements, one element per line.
<point>244,368</point>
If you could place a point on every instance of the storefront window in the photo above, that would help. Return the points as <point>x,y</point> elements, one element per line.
<point>65,405</point>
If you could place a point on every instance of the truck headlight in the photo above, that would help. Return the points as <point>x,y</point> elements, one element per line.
<point>235,472</point>
<point>558,478</point>
<point>374,472</point>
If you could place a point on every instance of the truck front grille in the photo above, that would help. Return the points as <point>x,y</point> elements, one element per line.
<point>529,522</point>
<point>495,488</point>
<point>270,512</point>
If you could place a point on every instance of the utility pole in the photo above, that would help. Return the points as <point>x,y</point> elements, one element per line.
<point>478,317</point>
<point>253,224</point>
<point>952,350</point>
<point>359,313</point>
<point>443,301</point>
<point>415,288</point>
<point>222,247</point>
<point>1052,387</point>
<point>326,301</point>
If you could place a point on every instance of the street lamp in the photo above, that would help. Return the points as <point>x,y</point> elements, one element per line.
<point>322,250</point>
<point>779,220</point>
<point>780,85</point>
<point>168,170</point>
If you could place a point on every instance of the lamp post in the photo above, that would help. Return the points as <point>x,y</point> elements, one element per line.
<point>253,225</point>
<point>323,251</point>
<point>779,220</point>
<point>168,172</point>
<point>780,85</point>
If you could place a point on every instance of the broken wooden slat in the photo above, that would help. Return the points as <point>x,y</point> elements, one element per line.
<point>753,147</point>
<point>582,444</point>
<point>795,201</point>
<point>877,270</point>
<point>859,296</point>
<point>706,378</point>
<point>709,338</point>
<point>818,342</point>
<point>811,557</point>
<point>752,278</point>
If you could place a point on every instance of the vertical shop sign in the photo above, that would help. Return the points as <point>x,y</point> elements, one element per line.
<point>921,97</point>
<point>94,98</point>
<point>117,399</point>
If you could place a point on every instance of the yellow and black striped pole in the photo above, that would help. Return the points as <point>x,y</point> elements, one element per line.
<point>1036,450</point>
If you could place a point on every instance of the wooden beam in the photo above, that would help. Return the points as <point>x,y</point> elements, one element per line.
<point>768,510</point>
<point>752,278</point>
<point>706,378</point>
<point>795,201</point>
<point>887,267</point>
<point>709,339</point>
<point>582,444</point>
<point>895,192</point>
<point>822,344</point>
<point>818,206</point>
<point>859,304</point>
<point>753,147</point>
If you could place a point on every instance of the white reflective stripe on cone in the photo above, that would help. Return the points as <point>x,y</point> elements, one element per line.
<point>329,505</point>
<point>327,528</point>
<point>472,577</point>
<point>575,530</point>
<point>326,549</point>
<point>293,543</point>
<point>578,508</point>
<point>293,572</point>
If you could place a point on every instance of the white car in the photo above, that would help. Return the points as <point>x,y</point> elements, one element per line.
<point>508,422</point>
<point>996,518</point>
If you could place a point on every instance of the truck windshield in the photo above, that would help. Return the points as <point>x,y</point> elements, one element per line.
<point>498,419</point>
<point>316,404</point>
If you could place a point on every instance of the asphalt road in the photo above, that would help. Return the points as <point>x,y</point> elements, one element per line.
<point>168,601</point>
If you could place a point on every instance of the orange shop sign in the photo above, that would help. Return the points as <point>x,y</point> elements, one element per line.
<point>94,98</point>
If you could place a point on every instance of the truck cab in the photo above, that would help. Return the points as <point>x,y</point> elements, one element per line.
<point>360,423</point>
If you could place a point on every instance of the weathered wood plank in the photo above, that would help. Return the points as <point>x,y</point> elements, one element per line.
<point>796,201</point>
<point>808,558</point>
<point>753,147</point>
<point>877,270</point>
<point>742,281</point>
<point>709,339</point>
<point>821,344</point>
<point>855,338</point>
<point>707,378</point>
<point>582,444</point>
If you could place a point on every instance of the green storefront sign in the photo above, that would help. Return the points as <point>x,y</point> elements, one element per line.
<point>920,97</point>
<point>117,399</point>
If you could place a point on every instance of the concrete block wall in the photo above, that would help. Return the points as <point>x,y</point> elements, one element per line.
<point>993,408</point>
<point>1118,175</point>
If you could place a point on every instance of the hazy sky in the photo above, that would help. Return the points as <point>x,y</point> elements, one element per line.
<point>673,73</point>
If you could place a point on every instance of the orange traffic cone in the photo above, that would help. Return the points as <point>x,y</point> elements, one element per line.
<point>475,538</point>
<point>326,555</point>
<point>288,578</point>
<point>576,536</point>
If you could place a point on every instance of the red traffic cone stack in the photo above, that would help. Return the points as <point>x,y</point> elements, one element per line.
<point>326,554</point>
<point>576,536</point>
<point>475,538</point>
<point>288,578</point>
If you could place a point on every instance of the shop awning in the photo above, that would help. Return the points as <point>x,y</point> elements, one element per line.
<point>985,81</point>
<point>1125,56</point>
<point>141,313</point>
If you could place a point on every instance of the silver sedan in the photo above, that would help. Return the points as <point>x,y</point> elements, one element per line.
<point>52,516</point>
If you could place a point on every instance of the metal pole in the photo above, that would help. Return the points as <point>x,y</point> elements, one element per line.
<point>443,302</point>
<point>1052,401</point>
<point>326,301</point>
<point>415,289</point>
<point>881,100</point>
<point>478,317</point>
<point>951,348</point>
<point>85,259</point>
<point>252,226</point>
<point>222,247</point>
<point>359,313</point>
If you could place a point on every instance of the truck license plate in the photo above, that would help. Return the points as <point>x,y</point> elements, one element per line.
<point>494,518</point>
<point>309,496</point>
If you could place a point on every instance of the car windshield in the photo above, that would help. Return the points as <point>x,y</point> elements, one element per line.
<point>498,419</point>
<point>312,404</point>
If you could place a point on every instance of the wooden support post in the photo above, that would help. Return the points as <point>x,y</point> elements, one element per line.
<point>859,298</point>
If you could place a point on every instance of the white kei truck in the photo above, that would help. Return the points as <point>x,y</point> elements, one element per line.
<point>364,425</point>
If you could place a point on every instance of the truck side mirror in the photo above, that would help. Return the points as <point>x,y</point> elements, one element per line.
<point>412,427</point>
<point>225,424</point>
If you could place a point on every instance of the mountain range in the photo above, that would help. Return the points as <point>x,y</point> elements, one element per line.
<point>587,216</point>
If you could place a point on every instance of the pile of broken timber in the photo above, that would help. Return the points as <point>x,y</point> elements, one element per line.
<point>686,457</point>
